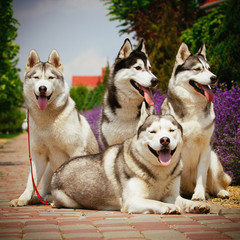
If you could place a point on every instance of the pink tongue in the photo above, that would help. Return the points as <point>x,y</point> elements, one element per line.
<point>148,96</point>
<point>42,102</point>
<point>164,158</point>
<point>208,93</point>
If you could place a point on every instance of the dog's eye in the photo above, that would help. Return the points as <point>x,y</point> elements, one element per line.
<point>197,69</point>
<point>153,131</point>
<point>138,68</point>
<point>50,77</point>
<point>36,77</point>
<point>150,68</point>
<point>172,130</point>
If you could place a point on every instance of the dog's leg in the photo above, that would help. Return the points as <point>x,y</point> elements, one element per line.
<point>203,165</point>
<point>46,187</point>
<point>189,206</point>
<point>217,179</point>
<point>136,199</point>
<point>140,205</point>
<point>39,164</point>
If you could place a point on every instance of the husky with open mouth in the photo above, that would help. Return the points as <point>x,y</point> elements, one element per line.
<point>130,83</point>
<point>142,175</point>
<point>190,101</point>
<point>57,131</point>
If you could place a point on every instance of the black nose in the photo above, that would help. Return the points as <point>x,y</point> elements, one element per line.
<point>164,141</point>
<point>154,81</point>
<point>42,89</point>
<point>213,79</point>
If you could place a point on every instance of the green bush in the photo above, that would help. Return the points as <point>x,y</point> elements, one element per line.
<point>86,99</point>
<point>220,30</point>
<point>11,120</point>
<point>11,86</point>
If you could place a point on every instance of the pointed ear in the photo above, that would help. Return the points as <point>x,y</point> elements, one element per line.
<point>125,50</point>
<point>183,54</point>
<point>54,59</point>
<point>202,51</point>
<point>143,116</point>
<point>141,47</point>
<point>33,59</point>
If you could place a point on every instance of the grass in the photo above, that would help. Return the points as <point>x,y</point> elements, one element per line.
<point>9,135</point>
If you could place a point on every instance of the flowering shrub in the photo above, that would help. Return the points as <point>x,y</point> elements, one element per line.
<point>93,117</point>
<point>227,127</point>
<point>227,130</point>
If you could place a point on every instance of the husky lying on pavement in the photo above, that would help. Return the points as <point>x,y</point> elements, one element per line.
<point>129,85</point>
<point>142,175</point>
<point>57,130</point>
<point>189,100</point>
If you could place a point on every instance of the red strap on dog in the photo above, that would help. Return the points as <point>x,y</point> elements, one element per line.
<point>30,159</point>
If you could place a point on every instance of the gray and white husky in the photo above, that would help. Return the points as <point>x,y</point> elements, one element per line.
<point>142,175</point>
<point>189,100</point>
<point>57,130</point>
<point>129,85</point>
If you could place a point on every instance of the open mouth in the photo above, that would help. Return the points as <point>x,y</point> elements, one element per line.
<point>164,155</point>
<point>42,100</point>
<point>205,90</point>
<point>144,91</point>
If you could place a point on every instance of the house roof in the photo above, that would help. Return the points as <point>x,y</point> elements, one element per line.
<point>210,4</point>
<point>88,81</point>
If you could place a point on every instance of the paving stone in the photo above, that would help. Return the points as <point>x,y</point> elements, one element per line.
<point>224,225</point>
<point>163,235</point>
<point>234,235</point>
<point>82,235</point>
<point>42,235</point>
<point>150,226</point>
<point>75,227</point>
<point>205,236</point>
<point>122,234</point>
<point>47,226</point>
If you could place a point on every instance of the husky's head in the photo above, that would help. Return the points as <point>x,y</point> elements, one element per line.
<point>192,73</point>
<point>161,137</point>
<point>43,81</point>
<point>132,73</point>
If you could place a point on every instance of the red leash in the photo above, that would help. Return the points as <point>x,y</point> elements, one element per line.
<point>30,159</point>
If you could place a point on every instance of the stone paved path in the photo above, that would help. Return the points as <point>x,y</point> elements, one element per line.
<point>45,222</point>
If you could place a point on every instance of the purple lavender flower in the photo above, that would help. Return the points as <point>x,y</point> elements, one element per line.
<point>227,127</point>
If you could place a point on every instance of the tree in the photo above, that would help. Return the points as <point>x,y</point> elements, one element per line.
<point>220,30</point>
<point>10,83</point>
<point>160,23</point>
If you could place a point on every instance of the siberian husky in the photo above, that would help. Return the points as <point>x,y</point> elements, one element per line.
<point>141,175</point>
<point>57,130</point>
<point>189,100</point>
<point>129,85</point>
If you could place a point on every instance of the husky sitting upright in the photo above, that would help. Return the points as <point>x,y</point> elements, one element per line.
<point>129,85</point>
<point>189,99</point>
<point>57,130</point>
<point>142,175</point>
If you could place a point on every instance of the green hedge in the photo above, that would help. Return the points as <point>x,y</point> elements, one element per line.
<point>220,30</point>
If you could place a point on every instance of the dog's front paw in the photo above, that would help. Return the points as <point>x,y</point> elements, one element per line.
<point>18,202</point>
<point>198,196</point>
<point>198,207</point>
<point>223,194</point>
<point>170,209</point>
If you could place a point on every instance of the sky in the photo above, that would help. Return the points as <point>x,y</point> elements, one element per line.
<point>78,29</point>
